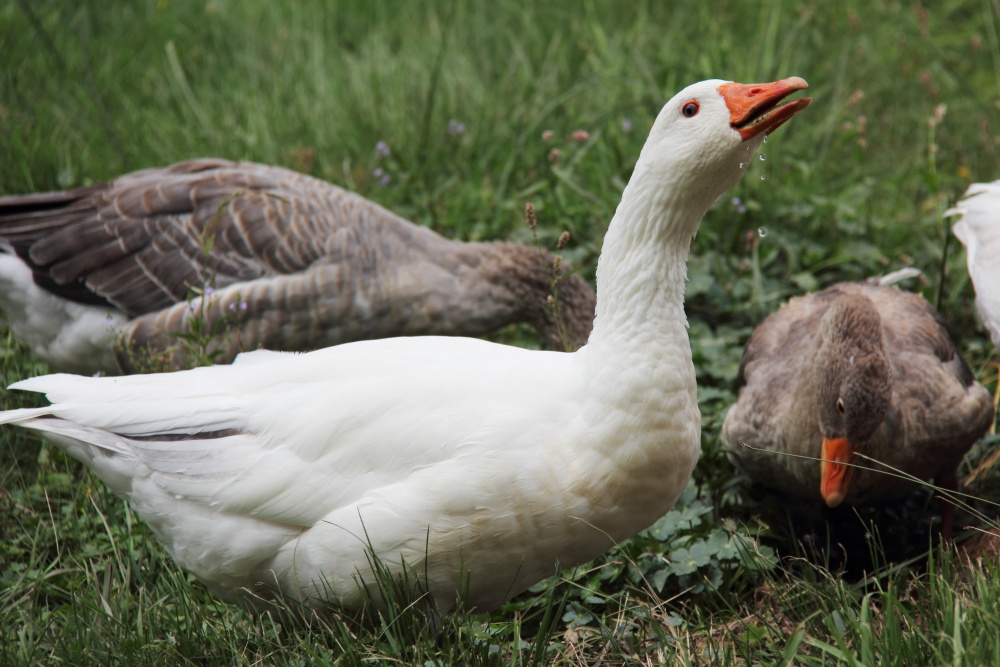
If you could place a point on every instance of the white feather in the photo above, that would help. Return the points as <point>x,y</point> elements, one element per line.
<point>978,229</point>
<point>69,335</point>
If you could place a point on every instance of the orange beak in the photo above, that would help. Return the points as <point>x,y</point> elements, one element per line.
<point>754,108</point>
<point>835,477</point>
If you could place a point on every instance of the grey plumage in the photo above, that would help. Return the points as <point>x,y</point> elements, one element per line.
<point>936,409</point>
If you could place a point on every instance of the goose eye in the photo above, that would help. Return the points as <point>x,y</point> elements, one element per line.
<point>840,406</point>
<point>690,109</point>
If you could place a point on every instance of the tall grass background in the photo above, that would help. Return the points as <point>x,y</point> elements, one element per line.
<point>906,114</point>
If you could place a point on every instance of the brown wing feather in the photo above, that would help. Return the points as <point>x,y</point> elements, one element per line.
<point>140,242</point>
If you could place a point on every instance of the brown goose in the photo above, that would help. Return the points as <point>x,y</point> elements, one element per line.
<point>291,262</point>
<point>854,368</point>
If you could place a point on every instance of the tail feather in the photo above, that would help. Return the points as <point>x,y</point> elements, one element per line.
<point>21,416</point>
<point>66,432</point>
<point>161,403</point>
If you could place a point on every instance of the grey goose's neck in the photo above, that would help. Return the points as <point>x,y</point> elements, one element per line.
<point>848,382</point>
<point>512,282</point>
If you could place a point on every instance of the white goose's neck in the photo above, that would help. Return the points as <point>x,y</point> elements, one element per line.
<point>643,265</point>
<point>639,392</point>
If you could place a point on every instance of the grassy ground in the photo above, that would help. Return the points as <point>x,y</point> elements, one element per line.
<point>906,114</point>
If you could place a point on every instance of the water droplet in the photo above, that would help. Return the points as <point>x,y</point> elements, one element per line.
<point>763,178</point>
<point>762,231</point>
<point>762,157</point>
<point>742,165</point>
<point>765,138</point>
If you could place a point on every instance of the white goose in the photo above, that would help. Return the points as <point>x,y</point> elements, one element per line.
<point>99,278</point>
<point>467,460</point>
<point>979,230</point>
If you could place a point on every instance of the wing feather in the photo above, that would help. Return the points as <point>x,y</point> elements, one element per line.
<point>290,438</point>
<point>231,221</point>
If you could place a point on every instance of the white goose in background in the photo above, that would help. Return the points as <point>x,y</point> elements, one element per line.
<point>467,460</point>
<point>979,231</point>
<point>99,278</point>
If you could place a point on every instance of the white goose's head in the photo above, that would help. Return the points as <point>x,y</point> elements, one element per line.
<point>704,137</point>
<point>699,146</point>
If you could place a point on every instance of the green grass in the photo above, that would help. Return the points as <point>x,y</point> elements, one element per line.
<point>854,186</point>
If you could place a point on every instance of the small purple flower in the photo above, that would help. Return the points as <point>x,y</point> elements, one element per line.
<point>209,290</point>
<point>738,205</point>
<point>98,374</point>
<point>382,149</point>
<point>384,179</point>
<point>627,125</point>
<point>455,127</point>
<point>109,321</point>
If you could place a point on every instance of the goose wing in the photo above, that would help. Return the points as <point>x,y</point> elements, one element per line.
<point>140,243</point>
<point>939,408</point>
<point>286,468</point>
<point>259,436</point>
